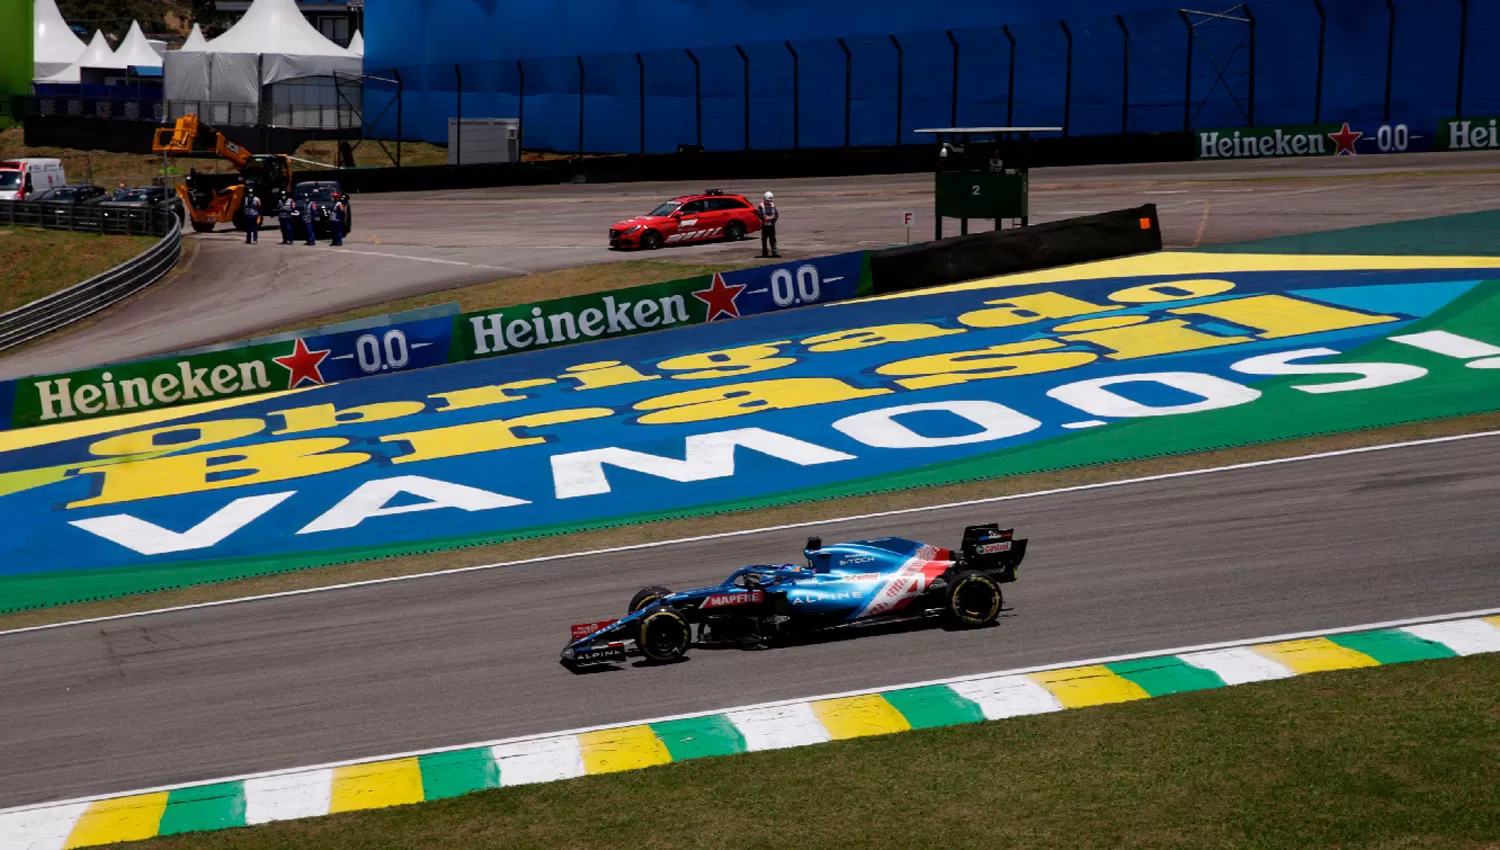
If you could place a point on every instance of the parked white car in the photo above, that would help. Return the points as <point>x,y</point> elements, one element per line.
<point>24,179</point>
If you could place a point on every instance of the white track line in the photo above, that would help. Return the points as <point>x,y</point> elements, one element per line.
<point>726,534</point>
<point>1110,659</point>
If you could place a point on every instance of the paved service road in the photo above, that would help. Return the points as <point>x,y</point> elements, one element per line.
<point>413,243</point>
<point>199,694</point>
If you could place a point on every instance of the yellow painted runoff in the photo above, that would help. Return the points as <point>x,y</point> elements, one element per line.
<point>856,717</point>
<point>1314,655</point>
<point>613,750</point>
<point>133,818</point>
<point>1076,687</point>
<point>376,785</point>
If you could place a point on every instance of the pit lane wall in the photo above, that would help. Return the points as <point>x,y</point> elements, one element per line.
<point>435,775</point>
<point>1139,357</point>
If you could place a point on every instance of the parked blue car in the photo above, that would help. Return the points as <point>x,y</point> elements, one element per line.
<point>846,585</point>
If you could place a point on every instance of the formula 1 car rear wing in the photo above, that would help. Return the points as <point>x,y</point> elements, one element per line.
<point>992,549</point>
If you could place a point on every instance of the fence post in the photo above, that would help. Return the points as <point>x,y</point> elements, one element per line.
<point>1067,78</point>
<point>520,109</point>
<point>953,109</point>
<point>746,60</point>
<point>1251,18</point>
<point>1463,44</point>
<point>1187,86</point>
<point>582,80</point>
<point>848,87</point>
<point>697,95</point>
<point>458,136</point>
<point>400,99</point>
<point>900,83</point>
<point>640,65</point>
<point>1010,80</point>
<point>1125,78</point>
<point>1322,37</point>
<point>796,97</point>
<point>1390,55</point>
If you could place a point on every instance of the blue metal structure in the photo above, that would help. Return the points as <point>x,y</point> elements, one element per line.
<point>784,74</point>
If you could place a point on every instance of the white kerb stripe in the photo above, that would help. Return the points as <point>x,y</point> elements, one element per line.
<point>1238,665</point>
<point>542,760</point>
<point>291,795</point>
<point>779,727</point>
<point>40,829</point>
<point>1007,696</point>
<point>1465,637</point>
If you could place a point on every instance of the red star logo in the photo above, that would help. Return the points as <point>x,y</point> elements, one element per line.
<point>720,298</point>
<point>303,364</point>
<point>1345,140</point>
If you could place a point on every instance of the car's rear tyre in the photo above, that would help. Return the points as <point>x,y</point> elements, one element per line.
<point>973,600</point>
<point>734,232</point>
<point>203,227</point>
<point>650,240</point>
<point>645,596</point>
<point>663,635</point>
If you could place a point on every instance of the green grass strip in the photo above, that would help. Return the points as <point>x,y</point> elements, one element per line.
<point>204,807</point>
<point>1166,675</point>
<point>459,772</point>
<point>699,737</point>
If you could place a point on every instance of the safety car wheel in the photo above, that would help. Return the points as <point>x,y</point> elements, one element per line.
<point>650,240</point>
<point>973,600</point>
<point>663,635</point>
<point>645,596</point>
<point>734,232</point>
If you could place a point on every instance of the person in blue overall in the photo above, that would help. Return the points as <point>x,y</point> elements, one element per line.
<point>252,219</point>
<point>286,212</point>
<point>336,220</point>
<point>310,220</point>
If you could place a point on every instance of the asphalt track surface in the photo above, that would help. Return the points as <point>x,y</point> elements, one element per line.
<point>445,660</point>
<point>413,243</point>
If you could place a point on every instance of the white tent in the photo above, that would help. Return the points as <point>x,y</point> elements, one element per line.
<point>54,46</point>
<point>135,50</point>
<point>357,44</point>
<point>96,55</point>
<point>195,40</point>
<point>271,43</point>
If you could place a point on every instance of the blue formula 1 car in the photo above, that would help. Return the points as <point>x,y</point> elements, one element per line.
<point>845,585</point>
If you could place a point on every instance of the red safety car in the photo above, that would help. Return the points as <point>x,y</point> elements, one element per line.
<point>711,216</point>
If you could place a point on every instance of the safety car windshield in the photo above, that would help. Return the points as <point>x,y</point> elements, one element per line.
<point>665,209</point>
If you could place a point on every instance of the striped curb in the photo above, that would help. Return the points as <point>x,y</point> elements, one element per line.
<point>391,781</point>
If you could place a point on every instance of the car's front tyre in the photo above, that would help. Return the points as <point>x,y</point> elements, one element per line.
<point>645,596</point>
<point>650,240</point>
<point>972,600</point>
<point>663,636</point>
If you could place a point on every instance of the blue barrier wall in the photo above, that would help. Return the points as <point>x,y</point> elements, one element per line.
<point>510,52</point>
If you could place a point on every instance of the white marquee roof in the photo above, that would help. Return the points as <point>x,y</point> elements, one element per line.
<point>275,26</point>
<point>195,40</point>
<point>135,50</point>
<point>96,55</point>
<point>357,44</point>
<point>53,42</point>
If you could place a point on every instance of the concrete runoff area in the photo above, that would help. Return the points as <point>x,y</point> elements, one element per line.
<point>413,243</point>
<point>192,695</point>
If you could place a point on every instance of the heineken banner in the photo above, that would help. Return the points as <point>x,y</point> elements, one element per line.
<point>1468,134</point>
<point>1341,138</point>
<point>320,358</point>
<point>693,301</point>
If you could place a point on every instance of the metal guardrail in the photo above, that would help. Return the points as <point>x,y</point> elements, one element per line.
<point>89,218</point>
<point>45,315</point>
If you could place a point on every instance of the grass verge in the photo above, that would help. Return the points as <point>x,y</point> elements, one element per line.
<point>676,529</point>
<point>40,262</point>
<point>1392,757</point>
<point>583,280</point>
